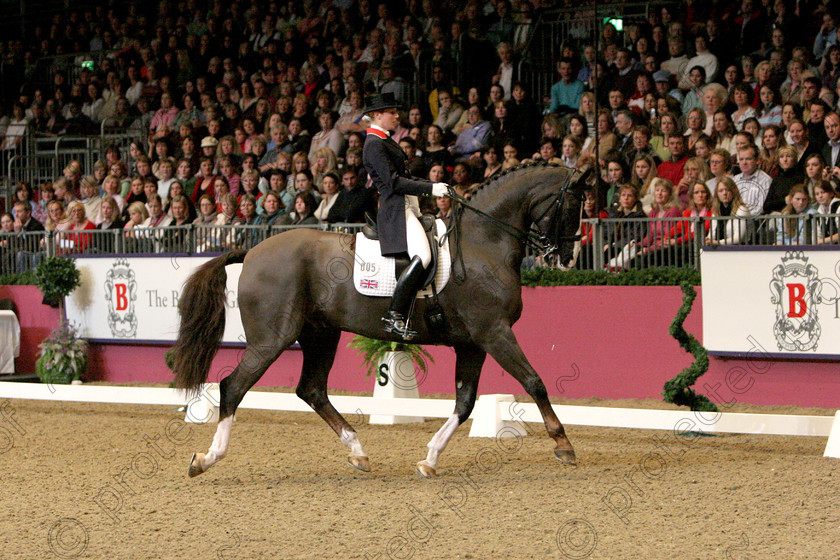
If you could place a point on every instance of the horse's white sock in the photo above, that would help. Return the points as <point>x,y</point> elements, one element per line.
<point>351,440</point>
<point>440,439</point>
<point>218,449</point>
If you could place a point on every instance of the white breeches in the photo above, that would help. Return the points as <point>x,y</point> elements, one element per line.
<point>418,243</point>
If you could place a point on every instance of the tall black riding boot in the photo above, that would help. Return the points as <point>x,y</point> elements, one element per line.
<point>407,286</point>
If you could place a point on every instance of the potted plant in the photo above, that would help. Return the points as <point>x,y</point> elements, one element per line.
<point>63,356</point>
<point>396,366</point>
<point>57,277</point>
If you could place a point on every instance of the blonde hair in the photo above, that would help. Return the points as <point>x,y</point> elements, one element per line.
<point>672,200</point>
<point>737,201</point>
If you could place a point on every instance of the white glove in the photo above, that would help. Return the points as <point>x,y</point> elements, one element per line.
<point>440,189</point>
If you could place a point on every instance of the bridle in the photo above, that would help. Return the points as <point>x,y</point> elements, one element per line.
<point>543,243</point>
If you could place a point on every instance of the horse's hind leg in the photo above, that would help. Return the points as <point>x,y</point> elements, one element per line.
<point>469,359</point>
<point>319,347</point>
<point>502,345</point>
<point>255,361</point>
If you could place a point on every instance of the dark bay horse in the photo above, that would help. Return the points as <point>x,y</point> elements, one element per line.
<point>299,286</point>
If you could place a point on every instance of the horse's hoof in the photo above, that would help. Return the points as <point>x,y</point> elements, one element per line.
<point>425,470</point>
<point>195,465</point>
<point>361,463</point>
<point>567,456</point>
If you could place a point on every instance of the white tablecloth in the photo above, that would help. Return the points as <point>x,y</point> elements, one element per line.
<point>9,341</point>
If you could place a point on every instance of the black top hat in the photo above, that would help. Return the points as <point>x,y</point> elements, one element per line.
<point>380,102</point>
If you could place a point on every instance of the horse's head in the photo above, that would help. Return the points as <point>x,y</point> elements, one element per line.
<point>558,215</point>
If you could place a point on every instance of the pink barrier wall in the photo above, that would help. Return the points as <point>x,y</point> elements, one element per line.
<point>36,321</point>
<point>605,342</point>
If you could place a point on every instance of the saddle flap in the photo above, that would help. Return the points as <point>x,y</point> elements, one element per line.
<point>375,275</point>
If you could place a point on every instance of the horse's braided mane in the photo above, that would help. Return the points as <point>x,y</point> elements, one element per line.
<point>506,172</point>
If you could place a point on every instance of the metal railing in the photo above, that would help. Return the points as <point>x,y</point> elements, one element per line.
<point>41,158</point>
<point>608,243</point>
<point>556,28</point>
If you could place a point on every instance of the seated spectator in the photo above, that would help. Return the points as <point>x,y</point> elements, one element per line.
<point>753,183</point>
<point>615,179</point>
<point>641,146</point>
<point>642,174</point>
<point>798,140</point>
<point>57,217</point>
<point>742,95</point>
<point>620,238</point>
<point>475,138</point>
<point>228,169</point>
<point>272,209</point>
<point>304,184</point>
<point>657,248</point>
<point>493,165</point>
<point>109,214</point>
<point>548,149</point>
<point>728,204</point>
<point>434,150</point>
<point>329,196</point>
<point>606,138</point>
<point>207,214</point>
<point>699,206</point>
<point>303,213</point>
<point>74,243</point>
<point>793,229</point>
<point>827,203</point>
<point>715,97</point>
<point>672,169</point>
<point>449,112</point>
<point>769,107</point>
<point>566,93</point>
<point>90,199</point>
<point>788,176</point>
<point>695,126</point>
<point>248,209</point>
<point>321,163</point>
<point>327,137</point>
<point>695,171</point>
<point>23,220</point>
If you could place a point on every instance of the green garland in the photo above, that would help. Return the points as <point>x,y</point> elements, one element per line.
<point>678,390</point>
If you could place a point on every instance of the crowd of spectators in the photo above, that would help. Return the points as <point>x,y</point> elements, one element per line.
<point>247,114</point>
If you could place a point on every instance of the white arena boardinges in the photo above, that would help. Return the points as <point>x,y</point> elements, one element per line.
<point>136,299</point>
<point>772,302</point>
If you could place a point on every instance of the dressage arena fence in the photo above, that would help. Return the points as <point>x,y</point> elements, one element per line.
<point>494,416</point>
<point>610,243</point>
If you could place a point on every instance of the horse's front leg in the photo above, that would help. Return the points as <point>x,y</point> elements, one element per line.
<point>469,359</point>
<point>502,345</point>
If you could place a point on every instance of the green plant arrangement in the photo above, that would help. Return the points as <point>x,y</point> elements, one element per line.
<point>373,353</point>
<point>678,390</point>
<point>63,356</point>
<point>57,277</point>
<point>653,276</point>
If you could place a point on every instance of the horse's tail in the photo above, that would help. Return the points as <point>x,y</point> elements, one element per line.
<point>202,310</point>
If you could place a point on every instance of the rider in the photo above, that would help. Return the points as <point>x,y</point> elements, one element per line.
<point>400,232</point>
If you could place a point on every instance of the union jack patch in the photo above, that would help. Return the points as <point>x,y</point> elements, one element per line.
<point>371,284</point>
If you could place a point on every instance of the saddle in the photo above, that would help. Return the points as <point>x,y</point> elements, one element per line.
<point>428,222</point>
<point>375,275</point>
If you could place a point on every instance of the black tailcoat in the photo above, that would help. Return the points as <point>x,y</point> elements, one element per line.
<point>385,161</point>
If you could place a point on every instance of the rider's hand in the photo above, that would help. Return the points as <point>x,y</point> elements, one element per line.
<point>440,189</point>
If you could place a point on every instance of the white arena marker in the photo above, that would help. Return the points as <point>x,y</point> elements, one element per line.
<point>204,407</point>
<point>488,418</point>
<point>832,448</point>
<point>400,382</point>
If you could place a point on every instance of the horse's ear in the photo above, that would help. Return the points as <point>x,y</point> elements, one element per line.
<point>586,178</point>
